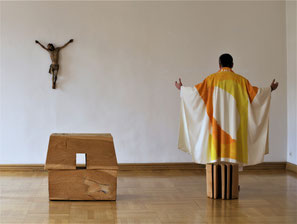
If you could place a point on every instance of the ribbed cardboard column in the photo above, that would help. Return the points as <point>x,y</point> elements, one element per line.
<point>222,180</point>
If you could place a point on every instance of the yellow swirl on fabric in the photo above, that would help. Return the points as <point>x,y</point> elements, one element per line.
<point>218,146</point>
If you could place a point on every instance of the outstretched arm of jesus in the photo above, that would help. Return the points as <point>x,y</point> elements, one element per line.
<point>37,42</point>
<point>70,41</point>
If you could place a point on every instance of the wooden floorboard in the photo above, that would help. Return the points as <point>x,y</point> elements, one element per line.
<point>149,166</point>
<point>292,167</point>
<point>154,196</point>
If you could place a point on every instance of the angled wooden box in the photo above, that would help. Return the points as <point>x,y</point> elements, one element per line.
<point>222,180</point>
<point>97,180</point>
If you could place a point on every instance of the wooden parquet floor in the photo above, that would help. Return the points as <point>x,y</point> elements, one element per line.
<point>168,196</point>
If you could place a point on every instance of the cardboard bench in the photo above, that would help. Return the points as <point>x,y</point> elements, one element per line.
<point>96,180</point>
<point>222,180</point>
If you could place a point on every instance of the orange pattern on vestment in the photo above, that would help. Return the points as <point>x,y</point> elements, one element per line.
<point>221,143</point>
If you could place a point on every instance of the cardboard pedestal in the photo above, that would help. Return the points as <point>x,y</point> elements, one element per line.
<point>222,180</point>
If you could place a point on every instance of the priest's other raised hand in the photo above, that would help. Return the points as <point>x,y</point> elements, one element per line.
<point>273,85</point>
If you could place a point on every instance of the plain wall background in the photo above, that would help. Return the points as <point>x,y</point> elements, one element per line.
<point>291,21</point>
<point>118,74</point>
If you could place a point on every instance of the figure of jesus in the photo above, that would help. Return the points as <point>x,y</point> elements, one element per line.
<point>54,54</point>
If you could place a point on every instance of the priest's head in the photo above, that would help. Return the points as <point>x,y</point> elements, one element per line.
<point>226,60</point>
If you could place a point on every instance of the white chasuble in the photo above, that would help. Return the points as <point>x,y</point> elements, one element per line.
<point>224,118</point>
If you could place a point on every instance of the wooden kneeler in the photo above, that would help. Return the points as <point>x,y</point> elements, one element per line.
<point>222,180</point>
<point>97,180</point>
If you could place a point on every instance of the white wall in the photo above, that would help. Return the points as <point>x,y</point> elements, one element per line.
<point>118,74</point>
<point>291,21</point>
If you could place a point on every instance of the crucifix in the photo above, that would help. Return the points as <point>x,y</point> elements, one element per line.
<point>54,54</point>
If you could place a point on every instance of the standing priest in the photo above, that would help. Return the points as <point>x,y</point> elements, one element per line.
<point>225,118</point>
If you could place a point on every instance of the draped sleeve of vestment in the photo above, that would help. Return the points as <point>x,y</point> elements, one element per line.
<point>225,119</point>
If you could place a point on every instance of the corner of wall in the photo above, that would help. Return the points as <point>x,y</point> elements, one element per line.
<point>291,73</point>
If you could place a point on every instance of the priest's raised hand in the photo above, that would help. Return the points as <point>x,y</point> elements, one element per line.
<point>179,84</point>
<point>273,85</point>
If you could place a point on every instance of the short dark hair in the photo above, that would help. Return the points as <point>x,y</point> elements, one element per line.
<point>51,45</point>
<point>226,60</point>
